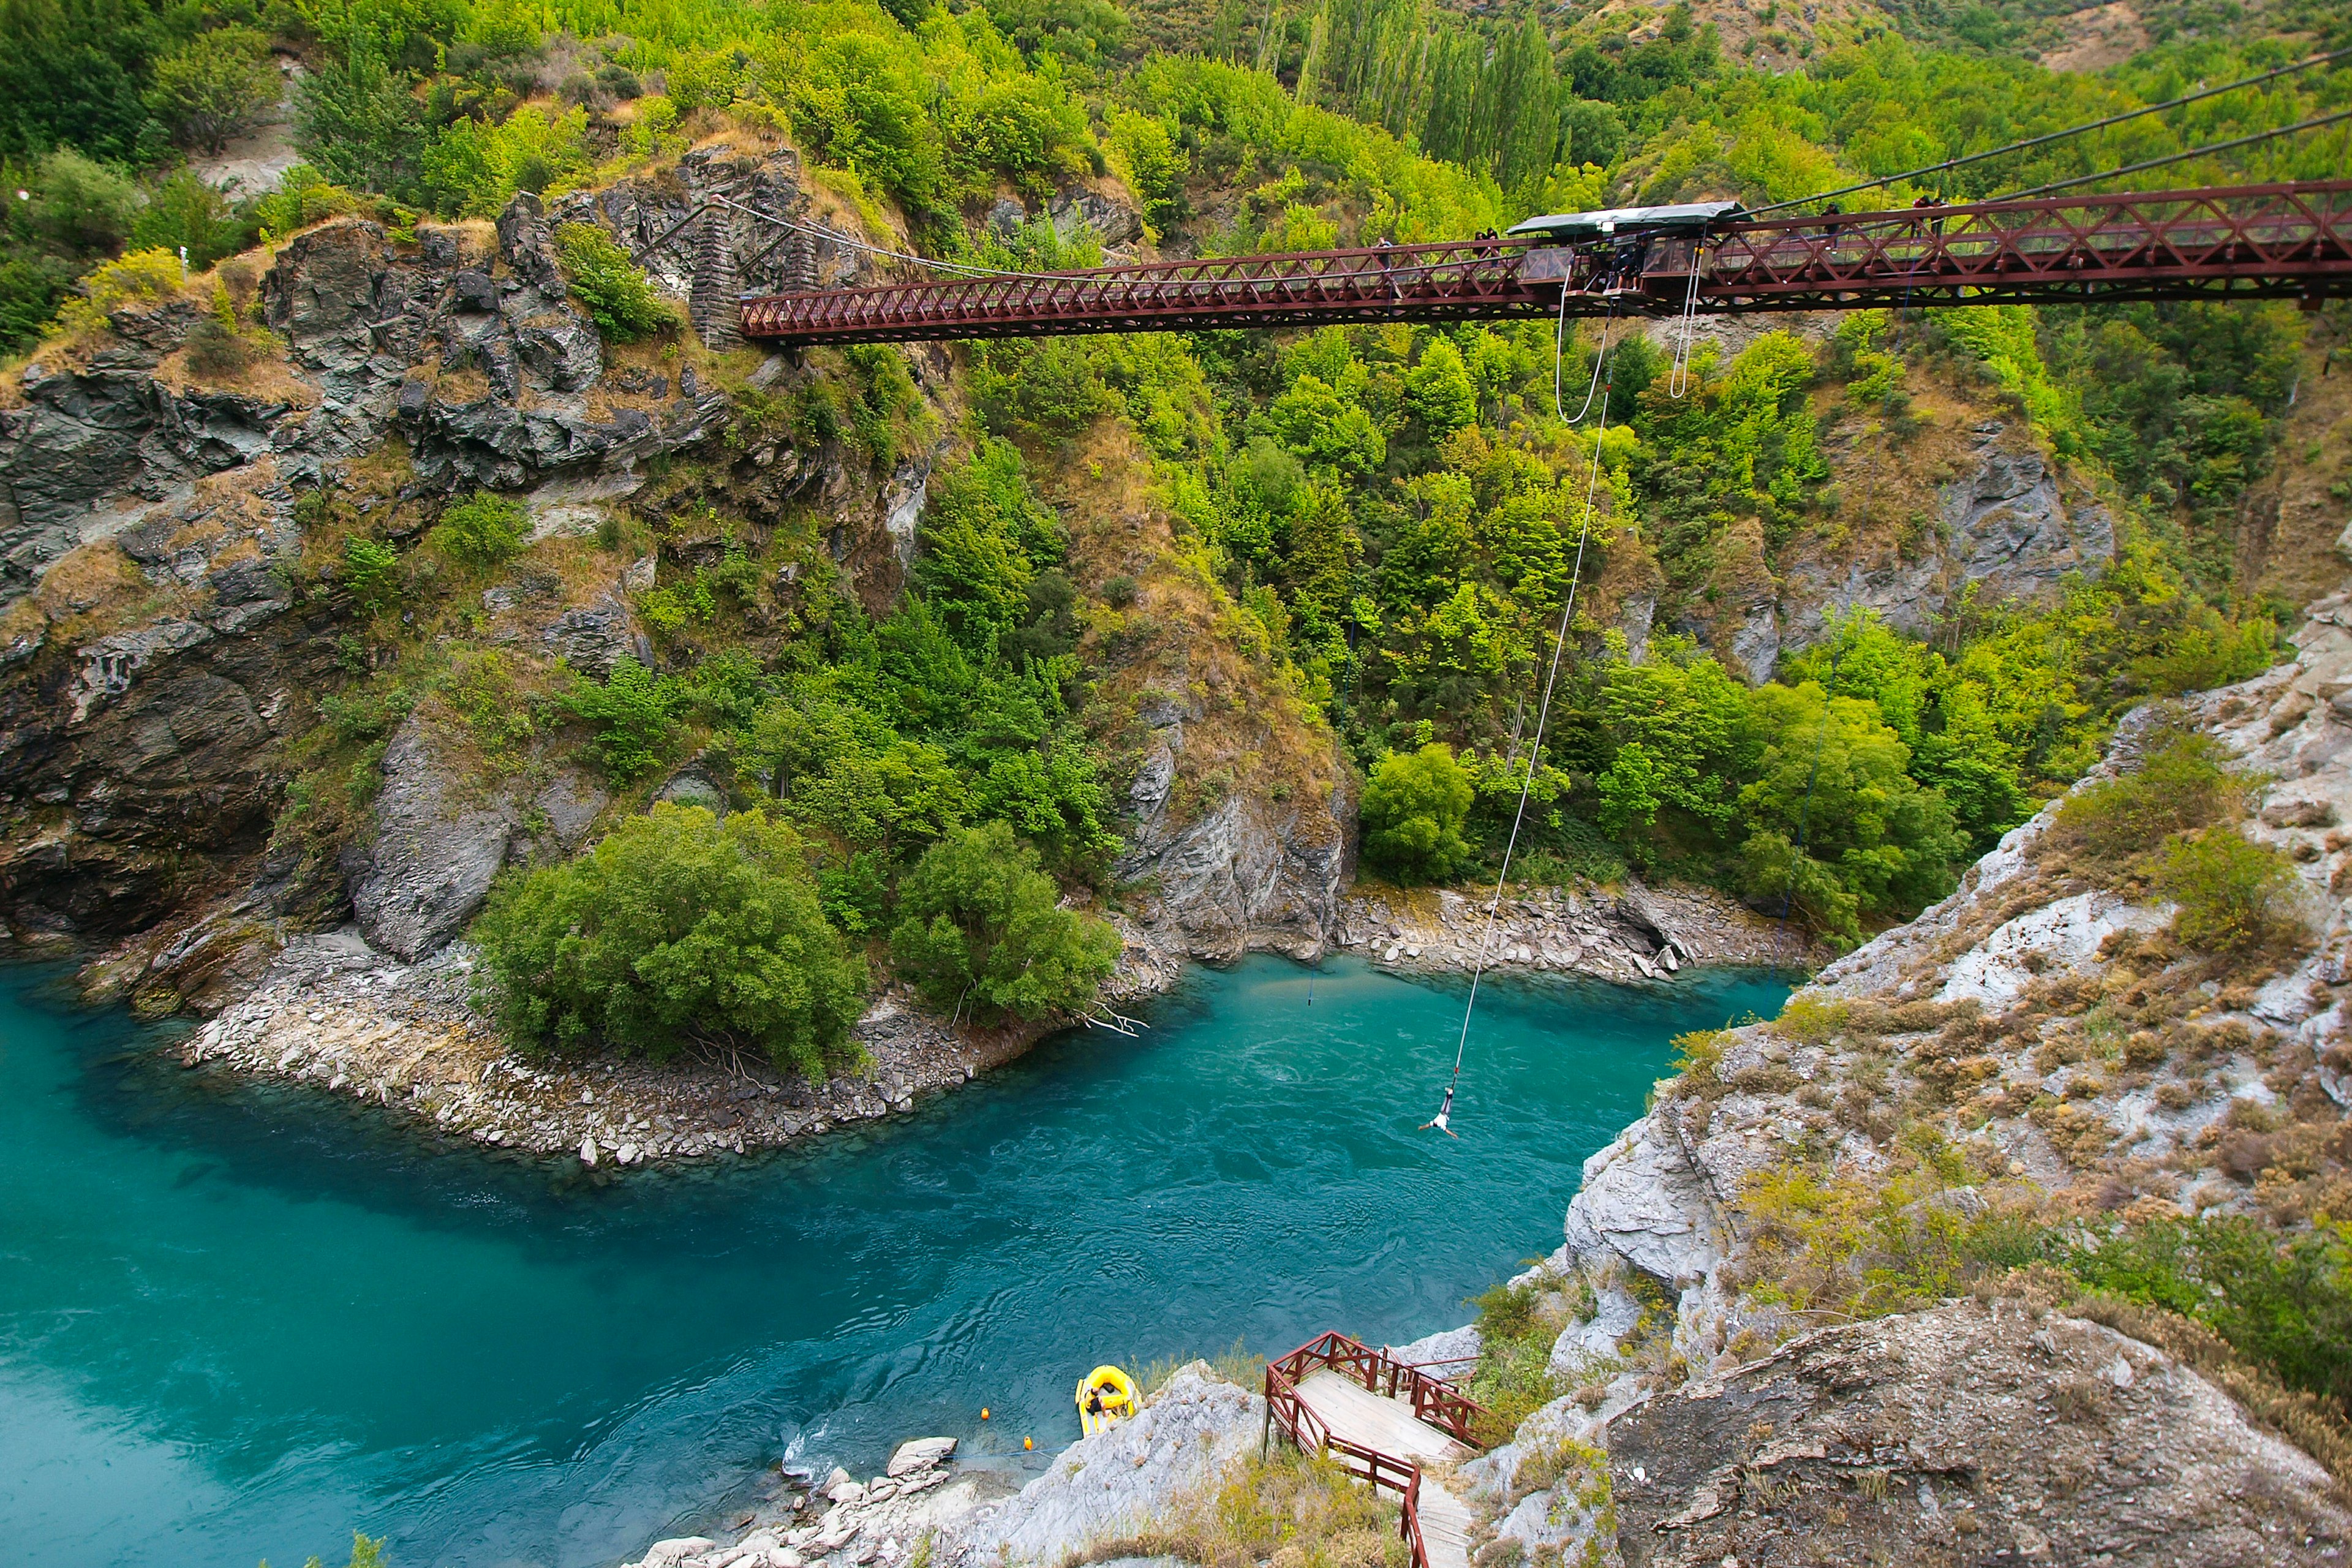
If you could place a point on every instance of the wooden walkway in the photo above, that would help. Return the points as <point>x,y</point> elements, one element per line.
<point>1384,1422</point>
<point>1380,1422</point>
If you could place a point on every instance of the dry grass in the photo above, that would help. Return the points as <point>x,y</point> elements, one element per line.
<point>1286,1510</point>
<point>1183,637</point>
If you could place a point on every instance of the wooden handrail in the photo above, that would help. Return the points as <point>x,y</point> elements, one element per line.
<point>1434,1401</point>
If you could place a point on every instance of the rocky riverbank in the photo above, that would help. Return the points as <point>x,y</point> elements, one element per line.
<point>1628,933</point>
<point>335,1014</point>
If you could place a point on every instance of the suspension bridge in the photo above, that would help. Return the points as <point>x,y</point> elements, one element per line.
<point>2262,242</point>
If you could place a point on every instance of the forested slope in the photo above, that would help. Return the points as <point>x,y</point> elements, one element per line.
<point>415,473</point>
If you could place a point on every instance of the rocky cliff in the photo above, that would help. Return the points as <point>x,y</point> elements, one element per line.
<point>180,636</point>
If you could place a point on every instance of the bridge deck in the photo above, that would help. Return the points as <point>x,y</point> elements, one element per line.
<point>1376,1421</point>
<point>2253,241</point>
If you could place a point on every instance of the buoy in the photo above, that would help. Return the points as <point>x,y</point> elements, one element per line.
<point>983,1412</point>
<point>1028,1443</point>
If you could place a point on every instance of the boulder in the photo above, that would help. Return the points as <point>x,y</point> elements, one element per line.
<point>436,846</point>
<point>919,1454</point>
<point>1976,1432</point>
<point>1646,1204</point>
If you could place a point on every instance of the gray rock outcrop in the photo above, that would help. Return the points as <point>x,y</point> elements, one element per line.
<point>1115,1483</point>
<point>437,845</point>
<point>1969,1432</point>
<point>2005,530</point>
<point>1249,872</point>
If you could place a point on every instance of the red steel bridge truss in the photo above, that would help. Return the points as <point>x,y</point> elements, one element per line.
<point>2277,241</point>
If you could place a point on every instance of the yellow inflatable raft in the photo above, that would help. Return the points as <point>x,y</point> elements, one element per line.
<point>1105,1397</point>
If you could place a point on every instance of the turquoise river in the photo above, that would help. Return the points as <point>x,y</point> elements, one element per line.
<point>239,1322</point>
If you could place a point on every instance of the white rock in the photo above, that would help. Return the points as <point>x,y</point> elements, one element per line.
<point>588,1151</point>
<point>2064,935</point>
<point>919,1454</point>
<point>671,1553</point>
<point>1643,1201</point>
<point>629,1154</point>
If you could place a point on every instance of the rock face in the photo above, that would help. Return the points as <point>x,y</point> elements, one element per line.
<point>1636,933</point>
<point>436,846</point>
<point>1248,874</point>
<point>2006,532</point>
<point>1114,1483</point>
<point>145,757</point>
<point>1245,874</point>
<point>1971,1433</point>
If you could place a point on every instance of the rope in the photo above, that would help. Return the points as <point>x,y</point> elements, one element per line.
<point>1560,349</point>
<point>2313,123</point>
<point>1950,164</point>
<point>1678,378</point>
<point>1543,713</point>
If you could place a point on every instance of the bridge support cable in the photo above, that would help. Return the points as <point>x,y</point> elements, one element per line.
<point>2314,123</point>
<point>1948,165</point>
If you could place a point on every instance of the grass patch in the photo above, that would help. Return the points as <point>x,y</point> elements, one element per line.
<point>1287,1509</point>
<point>1518,1325</point>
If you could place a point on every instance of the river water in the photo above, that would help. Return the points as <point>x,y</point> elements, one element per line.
<point>240,1321</point>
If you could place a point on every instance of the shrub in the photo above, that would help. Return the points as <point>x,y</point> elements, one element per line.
<point>2284,1303</point>
<point>303,197</point>
<point>80,205</point>
<point>2179,784</point>
<point>981,931</point>
<point>141,277</point>
<point>214,86</point>
<point>609,284</point>
<point>2233,894</point>
<point>634,714</point>
<point>371,572</point>
<point>677,933</point>
<point>1412,814</point>
<point>481,530</point>
<point>1118,591</point>
<point>216,345</point>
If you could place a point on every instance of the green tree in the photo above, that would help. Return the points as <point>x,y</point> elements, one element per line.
<point>1414,806</point>
<point>678,932</point>
<point>610,285</point>
<point>215,87</point>
<point>983,933</point>
<point>1438,390</point>
<point>635,715</point>
<point>2233,893</point>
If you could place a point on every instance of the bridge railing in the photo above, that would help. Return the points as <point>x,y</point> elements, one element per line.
<point>2271,240</point>
<point>1433,1400</point>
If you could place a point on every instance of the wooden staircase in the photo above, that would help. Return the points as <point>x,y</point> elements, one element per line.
<point>1382,1421</point>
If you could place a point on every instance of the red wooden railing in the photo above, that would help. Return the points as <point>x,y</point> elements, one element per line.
<point>1433,1400</point>
<point>2257,241</point>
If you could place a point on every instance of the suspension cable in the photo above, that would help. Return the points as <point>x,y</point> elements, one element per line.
<point>2042,140</point>
<point>2310,125</point>
<point>1535,750</point>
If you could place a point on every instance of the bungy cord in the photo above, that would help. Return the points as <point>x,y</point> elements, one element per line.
<point>1543,711</point>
